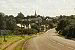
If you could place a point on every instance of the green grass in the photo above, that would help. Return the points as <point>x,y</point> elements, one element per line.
<point>10,40</point>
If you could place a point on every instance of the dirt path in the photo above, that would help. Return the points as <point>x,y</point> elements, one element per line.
<point>49,41</point>
<point>12,47</point>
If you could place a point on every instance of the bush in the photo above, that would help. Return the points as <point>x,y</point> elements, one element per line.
<point>30,31</point>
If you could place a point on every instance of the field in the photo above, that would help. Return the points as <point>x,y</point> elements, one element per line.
<point>10,40</point>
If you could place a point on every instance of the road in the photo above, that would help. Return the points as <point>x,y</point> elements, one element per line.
<point>49,41</point>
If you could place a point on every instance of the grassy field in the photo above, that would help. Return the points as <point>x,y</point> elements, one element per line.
<point>10,40</point>
<point>13,39</point>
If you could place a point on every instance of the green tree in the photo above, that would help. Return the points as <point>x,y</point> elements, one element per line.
<point>20,15</point>
<point>1,20</point>
<point>66,26</point>
<point>10,22</point>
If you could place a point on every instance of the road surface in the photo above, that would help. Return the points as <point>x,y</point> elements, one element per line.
<point>49,41</point>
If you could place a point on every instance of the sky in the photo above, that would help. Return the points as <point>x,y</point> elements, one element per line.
<point>43,7</point>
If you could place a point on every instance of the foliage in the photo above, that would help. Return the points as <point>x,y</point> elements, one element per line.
<point>1,20</point>
<point>10,22</point>
<point>36,27</point>
<point>30,31</point>
<point>19,17</point>
<point>66,26</point>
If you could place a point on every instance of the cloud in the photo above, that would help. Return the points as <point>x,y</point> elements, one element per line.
<point>43,7</point>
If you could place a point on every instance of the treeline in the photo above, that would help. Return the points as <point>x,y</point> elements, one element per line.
<point>66,26</point>
<point>9,22</point>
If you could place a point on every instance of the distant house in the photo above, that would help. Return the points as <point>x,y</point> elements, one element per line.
<point>31,20</point>
<point>24,26</point>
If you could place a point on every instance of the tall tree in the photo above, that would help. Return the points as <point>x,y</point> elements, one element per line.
<point>19,17</point>
<point>10,22</point>
<point>1,20</point>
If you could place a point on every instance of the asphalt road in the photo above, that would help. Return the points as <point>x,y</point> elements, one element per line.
<point>49,41</point>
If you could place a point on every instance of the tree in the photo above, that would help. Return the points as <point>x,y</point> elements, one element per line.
<point>10,22</point>
<point>20,15</point>
<point>66,26</point>
<point>19,18</point>
<point>36,27</point>
<point>1,20</point>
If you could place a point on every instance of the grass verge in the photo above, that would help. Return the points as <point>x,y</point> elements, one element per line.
<point>10,40</point>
